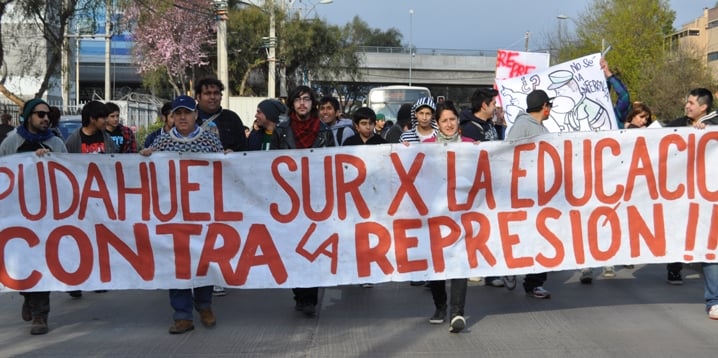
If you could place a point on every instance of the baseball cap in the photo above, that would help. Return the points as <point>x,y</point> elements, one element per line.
<point>186,102</point>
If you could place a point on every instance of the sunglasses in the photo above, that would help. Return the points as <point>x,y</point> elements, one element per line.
<point>41,114</point>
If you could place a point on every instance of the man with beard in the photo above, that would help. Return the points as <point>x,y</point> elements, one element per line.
<point>303,130</point>
<point>33,135</point>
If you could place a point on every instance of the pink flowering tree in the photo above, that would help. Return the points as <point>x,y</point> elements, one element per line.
<point>173,38</point>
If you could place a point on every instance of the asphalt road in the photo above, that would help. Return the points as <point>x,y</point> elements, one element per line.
<point>635,314</point>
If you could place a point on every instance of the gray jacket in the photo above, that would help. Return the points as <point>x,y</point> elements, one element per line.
<point>13,141</point>
<point>525,126</point>
<point>74,142</point>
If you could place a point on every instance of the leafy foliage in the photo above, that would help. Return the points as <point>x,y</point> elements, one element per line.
<point>640,56</point>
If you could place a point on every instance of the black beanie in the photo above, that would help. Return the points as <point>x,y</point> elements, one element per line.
<point>29,106</point>
<point>272,109</point>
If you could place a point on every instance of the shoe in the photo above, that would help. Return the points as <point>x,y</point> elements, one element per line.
<point>306,308</point>
<point>181,326</point>
<point>439,316</point>
<point>26,314</point>
<point>39,326</point>
<point>218,291</point>
<point>586,276</point>
<point>100,291</point>
<point>457,324</point>
<point>608,272</point>
<point>674,278</point>
<point>417,283</point>
<point>713,312</point>
<point>629,267</point>
<point>539,292</point>
<point>509,282</point>
<point>207,317</point>
<point>495,281</point>
<point>75,294</point>
<point>475,279</point>
<point>367,285</point>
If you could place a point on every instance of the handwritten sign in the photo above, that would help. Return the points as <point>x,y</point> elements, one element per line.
<point>328,217</point>
<point>581,102</point>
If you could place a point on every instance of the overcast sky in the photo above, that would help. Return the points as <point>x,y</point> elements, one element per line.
<point>472,24</point>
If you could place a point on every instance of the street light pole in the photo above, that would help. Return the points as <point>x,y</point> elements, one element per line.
<point>272,55</point>
<point>411,40</point>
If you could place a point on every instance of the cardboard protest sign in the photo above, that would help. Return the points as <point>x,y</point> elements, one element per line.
<point>582,101</point>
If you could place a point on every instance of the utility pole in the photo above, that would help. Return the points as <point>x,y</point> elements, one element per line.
<point>108,37</point>
<point>220,7</point>
<point>526,42</point>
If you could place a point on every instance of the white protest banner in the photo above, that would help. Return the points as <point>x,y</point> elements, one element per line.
<point>333,216</point>
<point>582,101</point>
<point>510,64</point>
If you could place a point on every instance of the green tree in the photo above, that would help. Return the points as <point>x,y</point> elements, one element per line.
<point>636,31</point>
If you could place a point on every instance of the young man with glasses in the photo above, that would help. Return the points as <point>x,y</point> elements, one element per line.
<point>303,130</point>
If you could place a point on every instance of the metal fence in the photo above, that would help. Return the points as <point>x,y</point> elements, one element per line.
<point>133,114</point>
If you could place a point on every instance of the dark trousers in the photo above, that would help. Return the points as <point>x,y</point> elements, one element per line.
<point>39,303</point>
<point>308,295</point>
<point>458,295</point>
<point>675,267</point>
<point>534,280</point>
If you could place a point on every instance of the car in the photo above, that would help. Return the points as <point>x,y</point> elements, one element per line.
<point>69,124</point>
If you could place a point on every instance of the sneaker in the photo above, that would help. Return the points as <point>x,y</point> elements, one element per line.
<point>629,267</point>
<point>75,294</point>
<point>457,324</point>
<point>586,276</point>
<point>26,314</point>
<point>207,317</point>
<point>674,278</point>
<point>713,312</point>
<point>475,279</point>
<point>367,285</point>
<point>608,272</point>
<point>509,282</point>
<point>539,292</point>
<point>438,317</point>
<point>181,326</point>
<point>417,283</point>
<point>39,326</point>
<point>306,308</point>
<point>218,291</point>
<point>495,281</point>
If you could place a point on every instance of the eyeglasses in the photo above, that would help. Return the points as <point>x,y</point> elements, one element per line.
<point>41,114</point>
<point>305,99</point>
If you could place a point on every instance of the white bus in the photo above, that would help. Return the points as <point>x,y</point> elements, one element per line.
<point>387,100</point>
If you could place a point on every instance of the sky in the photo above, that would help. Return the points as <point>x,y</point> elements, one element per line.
<point>471,24</point>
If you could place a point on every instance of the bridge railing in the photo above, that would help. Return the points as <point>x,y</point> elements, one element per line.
<point>428,51</point>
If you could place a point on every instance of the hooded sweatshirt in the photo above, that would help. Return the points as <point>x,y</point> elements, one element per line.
<point>412,136</point>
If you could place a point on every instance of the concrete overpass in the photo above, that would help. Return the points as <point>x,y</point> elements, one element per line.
<point>429,67</point>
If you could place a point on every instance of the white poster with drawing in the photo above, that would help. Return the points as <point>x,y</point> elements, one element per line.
<point>581,100</point>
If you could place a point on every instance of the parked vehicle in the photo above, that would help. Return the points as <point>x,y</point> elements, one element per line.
<point>388,99</point>
<point>69,124</point>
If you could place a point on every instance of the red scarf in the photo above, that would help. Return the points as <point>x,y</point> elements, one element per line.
<point>305,131</point>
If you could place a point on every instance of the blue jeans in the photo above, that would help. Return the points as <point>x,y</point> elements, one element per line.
<point>183,300</point>
<point>710,275</point>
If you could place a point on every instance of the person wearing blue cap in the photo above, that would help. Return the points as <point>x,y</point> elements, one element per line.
<point>187,136</point>
<point>34,135</point>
